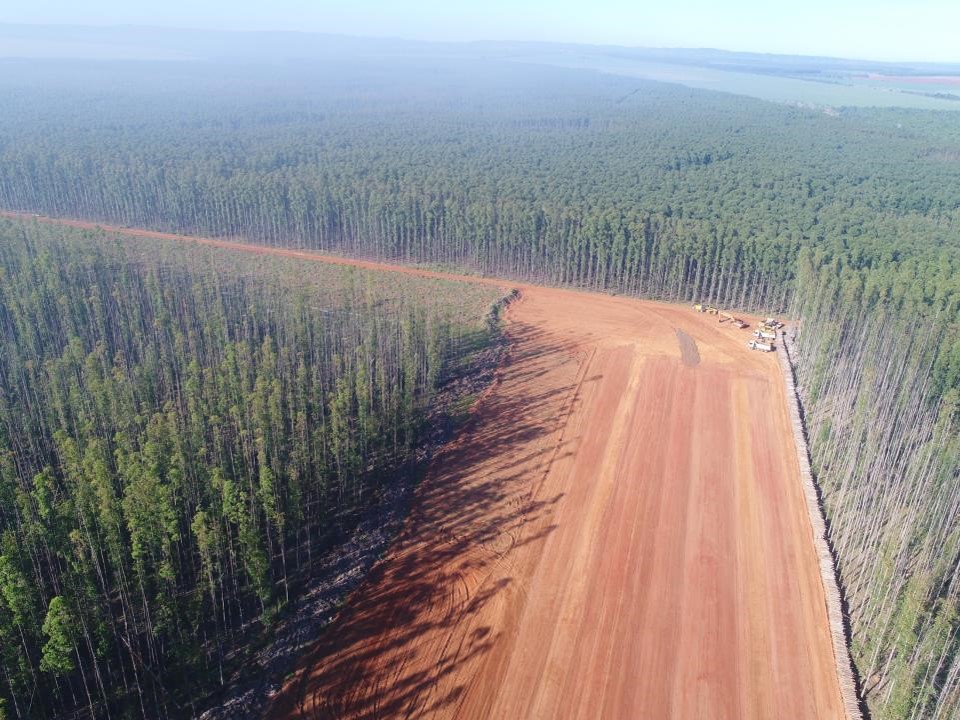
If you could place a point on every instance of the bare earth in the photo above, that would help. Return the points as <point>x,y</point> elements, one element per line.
<point>619,532</point>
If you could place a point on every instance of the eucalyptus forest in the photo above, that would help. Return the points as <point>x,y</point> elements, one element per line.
<point>178,426</point>
<point>181,430</point>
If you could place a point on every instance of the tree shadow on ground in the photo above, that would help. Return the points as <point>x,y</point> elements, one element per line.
<point>417,621</point>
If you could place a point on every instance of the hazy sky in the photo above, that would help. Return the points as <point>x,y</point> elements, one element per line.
<point>868,29</point>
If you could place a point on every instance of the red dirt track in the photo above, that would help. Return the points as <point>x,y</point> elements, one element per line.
<point>619,532</point>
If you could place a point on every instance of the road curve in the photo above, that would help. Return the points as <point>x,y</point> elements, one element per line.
<point>619,532</point>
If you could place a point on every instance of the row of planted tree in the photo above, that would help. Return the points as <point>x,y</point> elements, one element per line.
<point>877,366</point>
<point>179,430</point>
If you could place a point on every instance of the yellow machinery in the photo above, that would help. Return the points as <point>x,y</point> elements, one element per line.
<point>725,316</point>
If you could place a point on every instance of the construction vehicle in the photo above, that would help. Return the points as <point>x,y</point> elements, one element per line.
<point>761,346</point>
<point>725,316</point>
<point>709,309</point>
<point>765,334</point>
<point>770,324</point>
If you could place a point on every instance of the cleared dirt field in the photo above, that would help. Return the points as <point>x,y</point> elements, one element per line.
<point>619,532</point>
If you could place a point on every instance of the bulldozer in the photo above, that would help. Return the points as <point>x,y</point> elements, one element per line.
<point>709,309</point>
<point>725,316</point>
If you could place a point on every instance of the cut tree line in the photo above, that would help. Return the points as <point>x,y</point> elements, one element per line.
<point>849,224</point>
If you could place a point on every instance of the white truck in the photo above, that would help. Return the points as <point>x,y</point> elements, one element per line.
<point>761,346</point>
<point>765,335</point>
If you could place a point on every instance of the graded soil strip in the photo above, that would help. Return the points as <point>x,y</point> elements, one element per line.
<point>614,534</point>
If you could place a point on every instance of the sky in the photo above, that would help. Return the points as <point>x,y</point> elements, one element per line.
<point>923,30</point>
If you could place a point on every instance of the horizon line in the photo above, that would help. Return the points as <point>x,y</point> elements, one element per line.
<point>480,41</point>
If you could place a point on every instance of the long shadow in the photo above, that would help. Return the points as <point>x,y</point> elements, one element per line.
<point>471,514</point>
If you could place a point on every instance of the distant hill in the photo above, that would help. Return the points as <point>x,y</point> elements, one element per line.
<point>158,43</point>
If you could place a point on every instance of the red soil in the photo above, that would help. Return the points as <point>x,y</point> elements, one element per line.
<point>615,534</point>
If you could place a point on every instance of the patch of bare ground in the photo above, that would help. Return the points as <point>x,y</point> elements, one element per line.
<point>616,534</point>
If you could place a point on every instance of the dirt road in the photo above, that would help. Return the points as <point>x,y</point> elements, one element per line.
<point>618,533</point>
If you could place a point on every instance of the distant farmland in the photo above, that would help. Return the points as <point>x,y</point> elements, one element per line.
<point>834,90</point>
